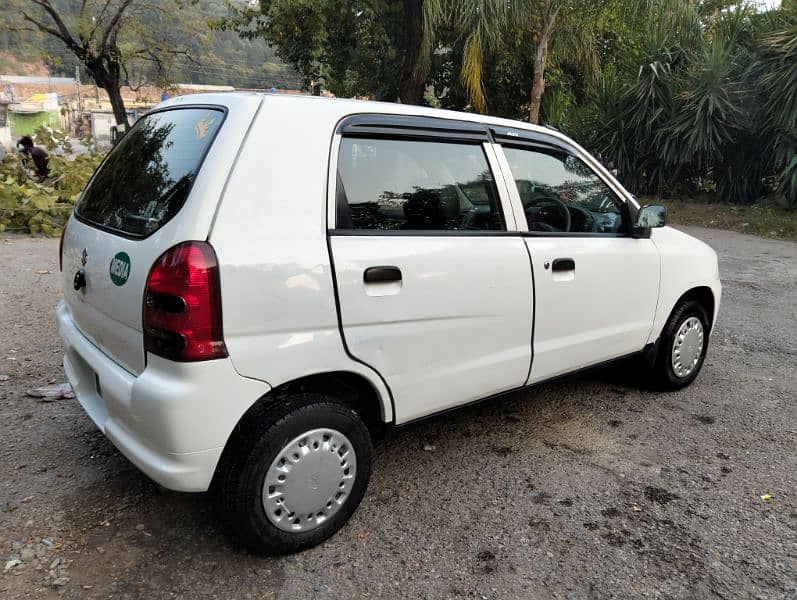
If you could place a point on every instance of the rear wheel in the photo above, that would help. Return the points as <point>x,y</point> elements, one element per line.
<point>295,476</point>
<point>682,346</point>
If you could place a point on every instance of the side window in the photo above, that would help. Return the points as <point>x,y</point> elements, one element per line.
<point>561,193</point>
<point>411,185</point>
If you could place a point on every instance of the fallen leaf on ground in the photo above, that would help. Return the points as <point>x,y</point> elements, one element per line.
<point>766,498</point>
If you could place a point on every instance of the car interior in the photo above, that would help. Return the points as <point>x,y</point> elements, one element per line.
<point>407,185</point>
<point>411,185</point>
<point>560,193</point>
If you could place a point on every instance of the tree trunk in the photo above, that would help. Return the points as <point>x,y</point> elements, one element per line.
<point>106,76</point>
<point>538,85</point>
<point>411,84</point>
<point>118,105</point>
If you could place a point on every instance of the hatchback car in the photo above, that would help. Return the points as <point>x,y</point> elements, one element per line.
<point>256,285</point>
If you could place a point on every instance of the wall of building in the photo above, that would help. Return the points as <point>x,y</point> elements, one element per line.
<point>6,139</point>
<point>28,123</point>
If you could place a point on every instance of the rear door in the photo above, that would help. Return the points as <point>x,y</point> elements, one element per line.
<point>596,286</point>
<point>128,216</point>
<point>434,283</point>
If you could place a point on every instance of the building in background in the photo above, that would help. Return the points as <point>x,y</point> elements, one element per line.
<point>39,110</point>
<point>6,139</point>
<point>64,104</point>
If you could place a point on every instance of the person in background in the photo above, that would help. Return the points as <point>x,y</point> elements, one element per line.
<point>39,156</point>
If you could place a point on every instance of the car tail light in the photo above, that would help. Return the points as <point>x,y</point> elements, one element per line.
<point>61,248</point>
<point>182,305</point>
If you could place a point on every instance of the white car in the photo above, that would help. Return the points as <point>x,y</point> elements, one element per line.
<point>255,285</point>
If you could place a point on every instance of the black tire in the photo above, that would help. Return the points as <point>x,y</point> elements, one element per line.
<point>239,482</point>
<point>664,376</point>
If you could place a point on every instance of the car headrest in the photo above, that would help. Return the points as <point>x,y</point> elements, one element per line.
<point>425,209</point>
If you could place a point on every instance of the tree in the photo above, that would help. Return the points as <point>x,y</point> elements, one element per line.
<point>497,30</point>
<point>550,11</point>
<point>113,39</point>
<point>776,76</point>
<point>368,47</point>
<point>472,29</point>
<point>411,85</point>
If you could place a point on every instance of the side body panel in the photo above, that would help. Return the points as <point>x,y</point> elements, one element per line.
<point>278,297</point>
<point>602,310</point>
<point>456,328</point>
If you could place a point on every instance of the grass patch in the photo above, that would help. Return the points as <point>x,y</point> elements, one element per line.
<point>765,220</point>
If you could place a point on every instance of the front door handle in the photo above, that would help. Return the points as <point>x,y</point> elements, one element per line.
<point>382,274</point>
<point>563,264</point>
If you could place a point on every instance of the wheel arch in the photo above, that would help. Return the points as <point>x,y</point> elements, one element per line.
<point>704,296</point>
<point>349,388</point>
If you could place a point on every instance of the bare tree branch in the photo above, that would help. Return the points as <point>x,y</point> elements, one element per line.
<point>98,19</point>
<point>70,43</point>
<point>65,35</point>
<point>111,29</point>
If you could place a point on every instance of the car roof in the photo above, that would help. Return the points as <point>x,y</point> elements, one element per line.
<point>336,109</point>
<point>341,107</point>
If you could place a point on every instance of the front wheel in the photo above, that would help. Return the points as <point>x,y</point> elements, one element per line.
<point>682,346</point>
<point>296,475</point>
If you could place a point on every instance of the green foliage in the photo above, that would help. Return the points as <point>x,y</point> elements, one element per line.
<point>685,97</point>
<point>31,205</point>
<point>350,48</point>
<point>705,104</point>
<point>557,106</point>
<point>776,75</point>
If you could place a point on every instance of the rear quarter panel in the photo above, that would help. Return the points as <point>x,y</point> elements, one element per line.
<point>116,318</point>
<point>270,236</point>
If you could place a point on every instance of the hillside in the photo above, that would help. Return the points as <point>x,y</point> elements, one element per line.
<point>220,58</point>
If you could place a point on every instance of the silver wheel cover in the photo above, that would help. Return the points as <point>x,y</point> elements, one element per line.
<point>309,480</point>
<point>687,347</point>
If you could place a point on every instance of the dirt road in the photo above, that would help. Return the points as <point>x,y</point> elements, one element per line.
<point>587,489</point>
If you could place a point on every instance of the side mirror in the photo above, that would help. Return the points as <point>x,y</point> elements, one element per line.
<point>648,217</point>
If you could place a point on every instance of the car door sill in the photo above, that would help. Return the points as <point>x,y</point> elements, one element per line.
<point>644,353</point>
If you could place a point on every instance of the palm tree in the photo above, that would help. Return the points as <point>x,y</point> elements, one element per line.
<point>776,75</point>
<point>565,32</point>
<point>550,12</point>
<point>478,23</point>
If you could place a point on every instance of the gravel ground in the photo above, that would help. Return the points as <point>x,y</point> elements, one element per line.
<point>591,488</point>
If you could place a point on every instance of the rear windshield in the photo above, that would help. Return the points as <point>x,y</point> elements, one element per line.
<point>147,176</point>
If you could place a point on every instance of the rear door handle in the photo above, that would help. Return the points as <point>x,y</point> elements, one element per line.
<point>563,264</point>
<point>381,274</point>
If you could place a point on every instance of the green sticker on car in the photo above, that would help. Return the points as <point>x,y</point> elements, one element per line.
<point>120,268</point>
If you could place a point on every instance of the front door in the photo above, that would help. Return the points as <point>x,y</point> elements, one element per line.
<point>435,293</point>
<point>596,287</point>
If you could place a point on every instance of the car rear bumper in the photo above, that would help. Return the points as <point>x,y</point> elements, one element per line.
<point>172,420</point>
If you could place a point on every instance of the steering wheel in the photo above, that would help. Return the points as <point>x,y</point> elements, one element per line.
<point>547,206</point>
<point>586,218</point>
